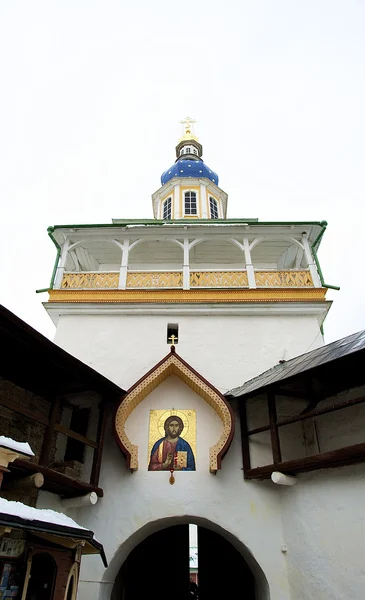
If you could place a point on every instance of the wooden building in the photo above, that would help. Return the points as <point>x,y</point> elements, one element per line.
<point>46,399</point>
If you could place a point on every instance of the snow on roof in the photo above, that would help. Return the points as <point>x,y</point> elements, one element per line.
<point>21,447</point>
<point>22,511</point>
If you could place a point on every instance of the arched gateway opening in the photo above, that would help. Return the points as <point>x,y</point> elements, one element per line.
<point>161,565</point>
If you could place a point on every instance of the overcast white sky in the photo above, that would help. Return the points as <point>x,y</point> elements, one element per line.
<point>91,95</point>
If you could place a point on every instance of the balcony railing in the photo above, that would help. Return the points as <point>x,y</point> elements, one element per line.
<point>284,279</point>
<point>154,279</point>
<point>218,279</point>
<point>197,279</point>
<point>90,280</point>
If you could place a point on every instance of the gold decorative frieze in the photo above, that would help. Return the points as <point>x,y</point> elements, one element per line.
<point>194,296</point>
<point>217,279</point>
<point>97,280</point>
<point>154,279</point>
<point>283,279</point>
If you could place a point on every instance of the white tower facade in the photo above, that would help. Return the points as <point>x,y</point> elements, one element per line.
<point>234,297</point>
<point>241,294</point>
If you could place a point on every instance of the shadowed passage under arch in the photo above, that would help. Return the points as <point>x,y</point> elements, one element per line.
<point>159,567</point>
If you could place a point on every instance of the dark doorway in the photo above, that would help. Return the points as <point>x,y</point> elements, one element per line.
<point>42,577</point>
<point>223,572</point>
<point>156,568</point>
<point>159,567</point>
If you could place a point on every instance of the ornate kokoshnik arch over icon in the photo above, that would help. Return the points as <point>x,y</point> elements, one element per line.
<point>172,364</point>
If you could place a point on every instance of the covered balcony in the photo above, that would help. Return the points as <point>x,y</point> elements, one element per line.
<point>186,263</point>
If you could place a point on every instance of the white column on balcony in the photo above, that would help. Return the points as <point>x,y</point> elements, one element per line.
<point>311,264</point>
<point>61,265</point>
<point>124,265</point>
<point>203,201</point>
<point>176,204</point>
<point>186,265</point>
<point>249,265</point>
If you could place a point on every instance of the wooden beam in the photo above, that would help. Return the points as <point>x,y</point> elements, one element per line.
<point>334,458</point>
<point>63,482</point>
<point>274,433</point>
<point>259,430</point>
<point>289,394</point>
<point>322,411</point>
<point>244,438</point>
<point>313,413</point>
<point>45,457</point>
<point>26,412</point>
<point>76,436</point>
<point>24,484</point>
<point>98,453</point>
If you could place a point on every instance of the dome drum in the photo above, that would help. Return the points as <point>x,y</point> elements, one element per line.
<point>193,198</point>
<point>191,145</point>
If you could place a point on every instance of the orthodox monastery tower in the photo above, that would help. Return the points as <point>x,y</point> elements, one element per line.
<point>182,310</point>
<point>238,294</point>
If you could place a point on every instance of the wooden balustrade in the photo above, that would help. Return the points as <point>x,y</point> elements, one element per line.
<point>154,279</point>
<point>198,279</point>
<point>218,279</point>
<point>283,279</point>
<point>88,280</point>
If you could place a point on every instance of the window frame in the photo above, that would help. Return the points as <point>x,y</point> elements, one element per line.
<point>190,213</point>
<point>213,209</point>
<point>169,209</point>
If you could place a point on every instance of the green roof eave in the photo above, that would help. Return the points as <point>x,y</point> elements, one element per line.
<point>184,222</point>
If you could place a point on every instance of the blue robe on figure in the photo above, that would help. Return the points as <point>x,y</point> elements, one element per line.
<point>160,450</point>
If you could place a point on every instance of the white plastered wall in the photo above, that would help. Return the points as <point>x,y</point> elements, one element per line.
<point>225,349</point>
<point>324,530</point>
<point>137,504</point>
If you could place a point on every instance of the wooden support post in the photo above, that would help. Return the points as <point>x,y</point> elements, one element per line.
<point>186,265</point>
<point>274,432</point>
<point>48,436</point>
<point>2,471</point>
<point>244,438</point>
<point>249,266</point>
<point>98,452</point>
<point>123,271</point>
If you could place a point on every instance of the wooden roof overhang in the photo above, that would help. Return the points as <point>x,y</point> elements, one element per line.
<point>34,363</point>
<point>312,386</point>
<point>68,537</point>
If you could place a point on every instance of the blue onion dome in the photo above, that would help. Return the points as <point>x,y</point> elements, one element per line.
<point>189,162</point>
<point>189,168</point>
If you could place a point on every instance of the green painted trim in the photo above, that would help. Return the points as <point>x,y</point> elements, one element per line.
<point>183,222</point>
<point>42,290</point>
<point>50,232</point>
<point>314,247</point>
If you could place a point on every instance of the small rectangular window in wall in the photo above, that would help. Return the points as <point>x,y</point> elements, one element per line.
<point>166,210</point>
<point>172,333</point>
<point>190,203</point>
<point>213,208</point>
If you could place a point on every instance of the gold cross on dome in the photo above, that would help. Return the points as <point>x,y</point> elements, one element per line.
<point>187,122</point>
<point>173,338</point>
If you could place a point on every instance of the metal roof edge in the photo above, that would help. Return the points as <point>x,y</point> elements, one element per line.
<point>238,391</point>
<point>238,221</point>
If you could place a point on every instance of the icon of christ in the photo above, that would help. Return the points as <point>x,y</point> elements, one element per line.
<point>172,451</point>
